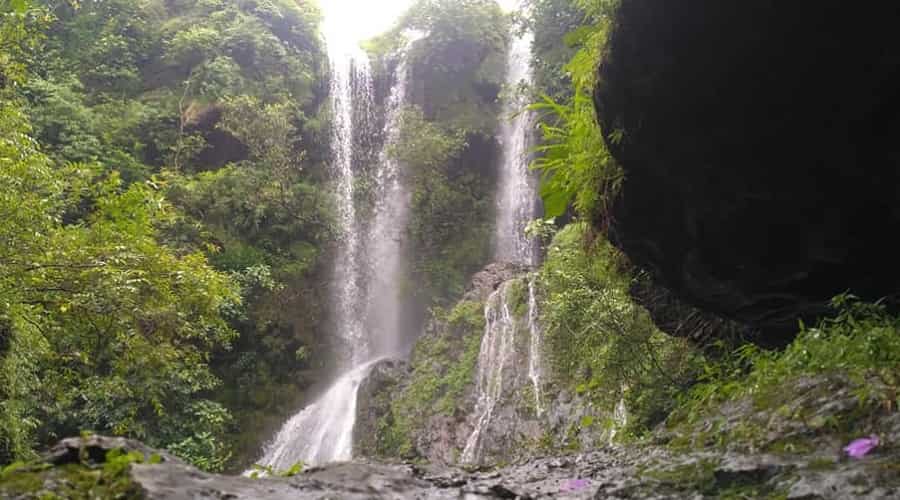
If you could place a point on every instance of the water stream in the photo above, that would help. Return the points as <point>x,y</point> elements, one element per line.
<point>387,231</point>
<point>497,348</point>
<point>323,431</point>
<point>535,347</point>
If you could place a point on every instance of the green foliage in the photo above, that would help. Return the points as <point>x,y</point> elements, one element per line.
<point>77,481</point>
<point>213,105</point>
<point>599,342</point>
<point>459,64</point>
<point>268,471</point>
<point>551,21</point>
<point>21,40</point>
<point>450,225</point>
<point>861,343</point>
<point>202,440</point>
<point>576,167</point>
<point>104,327</point>
<point>423,145</point>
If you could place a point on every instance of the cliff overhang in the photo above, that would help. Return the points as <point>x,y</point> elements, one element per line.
<point>761,153</point>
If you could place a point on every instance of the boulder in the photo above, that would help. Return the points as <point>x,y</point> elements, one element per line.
<point>490,278</point>
<point>759,144</point>
<point>373,402</point>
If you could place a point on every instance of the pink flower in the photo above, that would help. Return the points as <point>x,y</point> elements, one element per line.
<point>576,484</point>
<point>861,447</point>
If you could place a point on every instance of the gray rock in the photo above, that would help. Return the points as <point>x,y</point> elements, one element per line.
<point>608,473</point>
<point>373,401</point>
<point>490,278</point>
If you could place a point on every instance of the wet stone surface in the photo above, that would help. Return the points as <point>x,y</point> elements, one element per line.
<point>609,473</point>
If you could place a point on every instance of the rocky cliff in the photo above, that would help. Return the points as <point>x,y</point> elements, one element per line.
<point>474,391</point>
<point>760,152</point>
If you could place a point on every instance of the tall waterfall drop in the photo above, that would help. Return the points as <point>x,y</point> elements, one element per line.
<point>366,302</point>
<point>516,205</point>
<point>385,249</point>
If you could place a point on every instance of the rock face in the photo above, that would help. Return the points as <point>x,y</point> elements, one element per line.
<point>760,151</point>
<point>490,278</point>
<point>609,473</point>
<point>373,401</point>
<point>476,390</point>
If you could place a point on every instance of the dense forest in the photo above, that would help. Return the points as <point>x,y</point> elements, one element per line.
<point>176,265</point>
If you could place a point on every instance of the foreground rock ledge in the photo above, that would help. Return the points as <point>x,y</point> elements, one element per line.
<point>610,473</point>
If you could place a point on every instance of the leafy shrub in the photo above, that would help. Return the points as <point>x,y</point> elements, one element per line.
<point>861,342</point>
<point>599,342</point>
<point>576,167</point>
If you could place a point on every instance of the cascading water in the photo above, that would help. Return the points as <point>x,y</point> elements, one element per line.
<point>497,348</point>
<point>535,348</point>
<point>516,195</point>
<point>321,432</point>
<point>351,98</point>
<point>367,266</point>
<point>387,230</point>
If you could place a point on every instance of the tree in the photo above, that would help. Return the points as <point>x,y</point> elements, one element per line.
<point>106,329</point>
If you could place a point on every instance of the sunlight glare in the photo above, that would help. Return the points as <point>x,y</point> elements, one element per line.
<point>353,21</point>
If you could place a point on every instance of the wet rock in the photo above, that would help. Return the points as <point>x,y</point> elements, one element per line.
<point>731,199</point>
<point>490,278</point>
<point>608,473</point>
<point>94,449</point>
<point>442,438</point>
<point>373,403</point>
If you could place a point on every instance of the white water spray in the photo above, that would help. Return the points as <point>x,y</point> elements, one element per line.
<point>323,431</point>
<point>516,207</point>
<point>351,97</point>
<point>388,229</point>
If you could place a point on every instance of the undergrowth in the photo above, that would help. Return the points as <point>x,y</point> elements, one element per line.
<point>856,350</point>
<point>862,342</point>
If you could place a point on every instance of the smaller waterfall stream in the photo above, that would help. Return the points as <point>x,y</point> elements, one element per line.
<point>516,207</point>
<point>388,229</point>
<point>516,191</point>
<point>535,347</point>
<point>497,347</point>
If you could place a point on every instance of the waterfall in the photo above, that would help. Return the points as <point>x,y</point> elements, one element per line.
<point>497,347</point>
<point>391,218</point>
<point>535,347</point>
<point>368,264</point>
<point>517,190</point>
<point>321,432</point>
<point>516,193</point>
<point>351,98</point>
